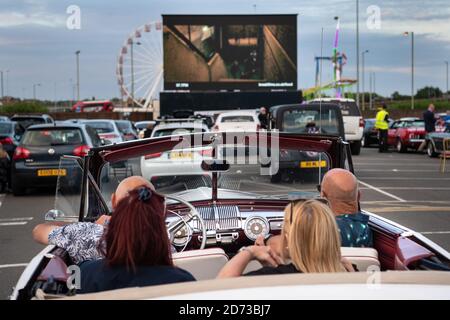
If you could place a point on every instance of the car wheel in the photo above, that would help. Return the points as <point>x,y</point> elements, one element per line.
<point>17,189</point>
<point>400,147</point>
<point>356,148</point>
<point>430,150</point>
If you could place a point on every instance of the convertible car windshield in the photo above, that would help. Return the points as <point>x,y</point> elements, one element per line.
<point>249,172</point>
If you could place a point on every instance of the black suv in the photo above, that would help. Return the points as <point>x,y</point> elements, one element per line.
<point>36,160</point>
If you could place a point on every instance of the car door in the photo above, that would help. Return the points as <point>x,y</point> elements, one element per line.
<point>392,132</point>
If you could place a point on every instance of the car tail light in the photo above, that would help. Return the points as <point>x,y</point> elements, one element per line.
<point>110,136</point>
<point>81,151</point>
<point>215,128</point>
<point>361,122</point>
<point>206,152</point>
<point>21,153</point>
<point>153,155</point>
<point>7,140</point>
<point>258,127</point>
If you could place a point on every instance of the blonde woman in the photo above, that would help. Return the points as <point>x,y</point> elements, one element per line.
<point>310,244</point>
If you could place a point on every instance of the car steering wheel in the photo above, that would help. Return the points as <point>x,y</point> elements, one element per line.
<point>177,225</point>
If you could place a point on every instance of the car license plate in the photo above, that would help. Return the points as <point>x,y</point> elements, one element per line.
<point>51,172</point>
<point>313,164</point>
<point>180,155</point>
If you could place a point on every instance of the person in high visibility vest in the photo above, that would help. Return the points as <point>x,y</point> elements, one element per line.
<point>382,125</point>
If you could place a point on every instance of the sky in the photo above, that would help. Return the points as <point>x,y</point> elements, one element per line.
<point>37,47</point>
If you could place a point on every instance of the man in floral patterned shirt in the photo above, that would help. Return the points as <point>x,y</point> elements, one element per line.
<point>81,239</point>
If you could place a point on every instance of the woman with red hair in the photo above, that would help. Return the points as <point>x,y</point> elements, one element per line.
<point>136,247</point>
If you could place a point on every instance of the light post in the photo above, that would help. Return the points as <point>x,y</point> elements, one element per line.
<point>363,79</point>
<point>357,52</point>
<point>34,89</point>
<point>77,53</point>
<point>1,74</point>
<point>446,74</point>
<point>407,33</point>
<point>131,42</point>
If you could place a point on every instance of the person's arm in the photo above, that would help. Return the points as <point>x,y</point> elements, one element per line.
<point>41,231</point>
<point>274,242</point>
<point>239,262</point>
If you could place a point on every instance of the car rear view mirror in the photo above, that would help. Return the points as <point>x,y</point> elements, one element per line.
<point>215,165</point>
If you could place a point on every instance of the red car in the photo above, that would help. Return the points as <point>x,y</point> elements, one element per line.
<point>93,106</point>
<point>406,133</point>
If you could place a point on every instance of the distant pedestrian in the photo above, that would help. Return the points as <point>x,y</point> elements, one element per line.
<point>382,125</point>
<point>4,169</point>
<point>263,118</point>
<point>429,118</point>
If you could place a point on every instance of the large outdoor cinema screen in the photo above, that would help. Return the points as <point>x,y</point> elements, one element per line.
<point>230,52</point>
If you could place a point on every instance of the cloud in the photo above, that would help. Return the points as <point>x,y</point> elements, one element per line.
<point>17,19</point>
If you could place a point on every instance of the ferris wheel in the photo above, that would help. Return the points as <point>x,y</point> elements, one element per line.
<point>140,65</point>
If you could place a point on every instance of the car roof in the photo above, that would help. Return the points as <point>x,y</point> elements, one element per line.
<point>410,119</point>
<point>332,100</point>
<point>97,120</point>
<point>30,116</point>
<point>238,113</point>
<point>57,125</point>
<point>174,125</point>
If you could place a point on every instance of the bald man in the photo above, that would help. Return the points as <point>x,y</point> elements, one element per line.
<point>81,239</point>
<point>340,188</point>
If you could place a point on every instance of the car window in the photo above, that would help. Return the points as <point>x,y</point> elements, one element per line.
<point>238,119</point>
<point>124,126</point>
<point>414,124</point>
<point>348,108</point>
<point>369,124</point>
<point>395,125</point>
<point>96,141</point>
<point>26,122</point>
<point>308,121</point>
<point>53,137</point>
<point>5,128</point>
<point>101,126</point>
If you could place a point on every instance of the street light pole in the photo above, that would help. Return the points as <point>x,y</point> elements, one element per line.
<point>363,80</point>
<point>357,52</point>
<point>77,53</point>
<point>407,33</point>
<point>1,72</point>
<point>34,89</point>
<point>132,74</point>
<point>446,64</point>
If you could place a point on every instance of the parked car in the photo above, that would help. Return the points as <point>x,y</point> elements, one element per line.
<point>435,144</point>
<point>141,126</point>
<point>127,130</point>
<point>106,129</point>
<point>93,106</point>
<point>237,121</point>
<point>10,134</point>
<point>185,162</point>
<point>28,120</point>
<point>353,121</point>
<point>370,136</point>
<point>406,133</point>
<point>208,223</point>
<point>305,119</point>
<point>36,160</point>
<point>4,118</point>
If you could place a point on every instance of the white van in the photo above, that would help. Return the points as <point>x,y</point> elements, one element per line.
<point>353,121</point>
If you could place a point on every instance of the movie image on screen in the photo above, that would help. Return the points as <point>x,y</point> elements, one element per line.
<point>230,52</point>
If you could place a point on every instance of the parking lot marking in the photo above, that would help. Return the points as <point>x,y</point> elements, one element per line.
<point>14,265</point>
<point>435,232</point>
<point>3,224</point>
<point>17,219</point>
<point>381,191</point>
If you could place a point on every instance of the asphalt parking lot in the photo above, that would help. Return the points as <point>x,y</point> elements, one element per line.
<point>406,188</point>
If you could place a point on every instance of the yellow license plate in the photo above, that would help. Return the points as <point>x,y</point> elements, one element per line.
<point>176,155</point>
<point>51,172</point>
<point>313,164</point>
